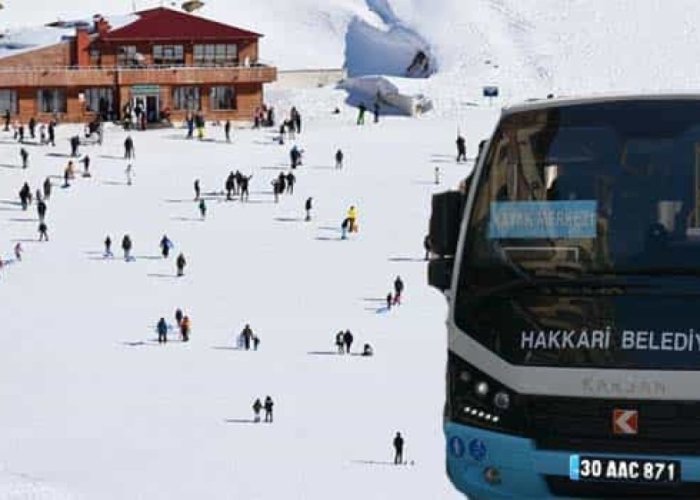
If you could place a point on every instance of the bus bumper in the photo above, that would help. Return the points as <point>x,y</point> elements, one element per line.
<point>518,468</point>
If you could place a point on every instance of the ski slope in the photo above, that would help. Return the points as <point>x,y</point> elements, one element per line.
<point>94,407</point>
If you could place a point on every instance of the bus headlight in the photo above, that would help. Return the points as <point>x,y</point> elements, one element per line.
<point>481,389</point>
<point>501,400</point>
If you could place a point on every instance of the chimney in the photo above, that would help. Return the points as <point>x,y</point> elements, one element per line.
<point>81,55</point>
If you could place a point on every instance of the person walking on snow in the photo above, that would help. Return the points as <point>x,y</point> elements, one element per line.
<point>86,166</point>
<point>24,154</point>
<point>129,151</point>
<point>197,191</point>
<point>347,340</point>
<point>308,207</point>
<point>165,246</point>
<point>43,232</point>
<point>47,188</point>
<point>230,185</point>
<point>437,175</point>
<point>339,159</point>
<point>398,449</point>
<point>227,130</point>
<point>291,179</point>
<point>41,210</point>
<point>362,109</point>
<point>461,148</point>
<point>185,328</point>
<point>339,342</point>
<point>129,173</point>
<point>344,228</point>
<point>398,290</point>
<point>202,208</point>
<point>108,247</point>
<point>180,263</point>
<point>243,184</point>
<point>178,316</point>
<point>268,409</point>
<point>126,247</point>
<point>18,252</point>
<point>256,342</point>
<point>257,406</point>
<point>247,335</point>
<point>352,216</point>
<point>389,301</point>
<point>162,329</point>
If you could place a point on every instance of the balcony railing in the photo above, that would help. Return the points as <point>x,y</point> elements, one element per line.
<point>37,76</point>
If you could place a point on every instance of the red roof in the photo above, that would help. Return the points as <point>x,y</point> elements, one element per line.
<point>168,24</point>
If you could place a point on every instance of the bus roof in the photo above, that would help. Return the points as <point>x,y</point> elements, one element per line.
<point>538,104</point>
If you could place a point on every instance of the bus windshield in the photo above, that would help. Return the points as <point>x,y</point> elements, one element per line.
<point>583,243</point>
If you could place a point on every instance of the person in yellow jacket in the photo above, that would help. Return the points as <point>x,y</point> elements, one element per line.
<point>352,216</point>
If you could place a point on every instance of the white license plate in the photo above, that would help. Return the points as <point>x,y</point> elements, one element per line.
<point>625,470</point>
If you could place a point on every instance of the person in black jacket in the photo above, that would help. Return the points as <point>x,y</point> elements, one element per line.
<point>129,151</point>
<point>347,340</point>
<point>308,206</point>
<point>268,409</point>
<point>162,329</point>
<point>398,449</point>
<point>339,159</point>
<point>398,289</point>
<point>180,263</point>
<point>41,210</point>
<point>461,148</point>
<point>126,247</point>
<point>24,154</point>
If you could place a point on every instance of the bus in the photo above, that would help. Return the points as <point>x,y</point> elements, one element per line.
<point>571,267</point>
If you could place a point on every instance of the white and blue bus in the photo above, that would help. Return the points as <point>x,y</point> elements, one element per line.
<point>572,271</point>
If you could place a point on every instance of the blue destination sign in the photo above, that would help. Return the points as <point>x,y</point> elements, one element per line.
<point>543,219</point>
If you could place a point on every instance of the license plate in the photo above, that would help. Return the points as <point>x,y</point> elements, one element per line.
<point>625,470</point>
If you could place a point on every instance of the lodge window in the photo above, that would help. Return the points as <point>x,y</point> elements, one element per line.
<point>168,54</point>
<point>99,100</point>
<point>186,98</point>
<point>52,101</point>
<point>219,53</point>
<point>127,56</point>
<point>223,98</point>
<point>8,101</point>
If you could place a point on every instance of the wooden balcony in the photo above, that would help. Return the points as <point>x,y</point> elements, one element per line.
<point>156,75</point>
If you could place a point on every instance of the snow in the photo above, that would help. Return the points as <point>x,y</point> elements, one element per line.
<point>93,405</point>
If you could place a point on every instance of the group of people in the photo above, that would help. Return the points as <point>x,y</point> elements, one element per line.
<point>362,110</point>
<point>344,340</point>
<point>264,116</point>
<point>47,131</point>
<point>184,326</point>
<point>283,183</point>
<point>25,198</point>
<point>349,224</point>
<point>395,298</point>
<point>247,338</point>
<point>236,184</point>
<point>267,406</point>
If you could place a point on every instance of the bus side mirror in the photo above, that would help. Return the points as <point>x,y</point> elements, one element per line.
<point>445,221</point>
<point>440,273</point>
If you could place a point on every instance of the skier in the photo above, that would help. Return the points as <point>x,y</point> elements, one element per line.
<point>47,188</point>
<point>376,112</point>
<point>437,175</point>
<point>202,208</point>
<point>339,159</point>
<point>197,191</point>
<point>185,328</point>
<point>129,148</point>
<point>268,409</point>
<point>367,350</point>
<point>398,289</point>
<point>162,329</point>
<point>108,247</point>
<point>24,154</point>
<point>398,449</point>
<point>344,228</point>
<point>307,207</point>
<point>165,246</point>
<point>361,113</point>
<point>227,130</point>
<point>257,406</point>
<point>126,247</point>
<point>291,179</point>
<point>178,316</point>
<point>461,148</point>
<point>180,263</point>
<point>129,173</point>
<point>339,342</point>
<point>352,216</point>
<point>43,232</point>
<point>18,252</point>
<point>247,335</point>
<point>347,340</point>
<point>41,210</point>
